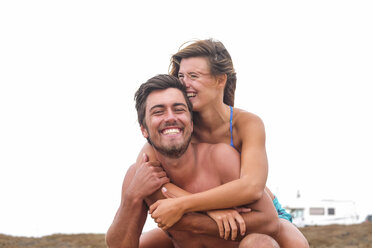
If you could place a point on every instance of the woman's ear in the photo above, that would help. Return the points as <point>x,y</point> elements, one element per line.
<point>221,80</point>
<point>144,132</point>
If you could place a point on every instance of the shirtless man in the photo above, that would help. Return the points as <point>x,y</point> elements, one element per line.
<point>164,113</point>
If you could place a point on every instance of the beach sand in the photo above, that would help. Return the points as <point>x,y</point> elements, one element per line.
<point>332,236</point>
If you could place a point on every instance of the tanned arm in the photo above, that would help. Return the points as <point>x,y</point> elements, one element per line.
<point>127,225</point>
<point>140,181</point>
<point>250,185</point>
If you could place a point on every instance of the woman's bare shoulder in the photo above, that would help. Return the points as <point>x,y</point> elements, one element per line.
<point>244,118</point>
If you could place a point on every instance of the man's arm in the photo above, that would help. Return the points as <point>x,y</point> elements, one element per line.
<point>127,225</point>
<point>140,182</point>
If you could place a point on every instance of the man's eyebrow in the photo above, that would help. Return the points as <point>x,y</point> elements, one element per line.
<point>157,106</point>
<point>179,104</point>
<point>163,106</point>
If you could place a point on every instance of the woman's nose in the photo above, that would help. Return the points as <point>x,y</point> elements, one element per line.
<point>186,81</point>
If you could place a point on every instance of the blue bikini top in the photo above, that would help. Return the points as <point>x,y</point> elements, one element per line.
<point>231,126</point>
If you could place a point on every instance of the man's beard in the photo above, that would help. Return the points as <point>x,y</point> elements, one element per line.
<point>173,151</point>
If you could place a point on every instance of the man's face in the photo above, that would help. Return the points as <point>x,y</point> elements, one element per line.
<point>168,122</point>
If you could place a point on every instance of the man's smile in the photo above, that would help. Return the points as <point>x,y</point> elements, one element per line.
<point>170,131</point>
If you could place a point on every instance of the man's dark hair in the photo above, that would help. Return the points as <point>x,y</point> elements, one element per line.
<point>159,82</point>
<point>219,60</point>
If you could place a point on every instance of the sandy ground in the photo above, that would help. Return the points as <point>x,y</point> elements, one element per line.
<point>333,236</point>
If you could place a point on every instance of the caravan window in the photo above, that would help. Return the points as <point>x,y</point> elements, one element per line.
<point>316,211</point>
<point>331,211</point>
<point>297,213</point>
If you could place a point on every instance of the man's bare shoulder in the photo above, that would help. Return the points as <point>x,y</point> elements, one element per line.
<point>223,149</point>
<point>130,172</point>
<point>216,151</point>
<point>132,168</point>
<point>223,158</point>
<point>149,151</point>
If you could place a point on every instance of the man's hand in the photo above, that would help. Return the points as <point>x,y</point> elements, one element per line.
<point>148,178</point>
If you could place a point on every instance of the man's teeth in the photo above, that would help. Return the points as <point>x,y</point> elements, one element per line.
<point>171,131</point>
<point>190,94</point>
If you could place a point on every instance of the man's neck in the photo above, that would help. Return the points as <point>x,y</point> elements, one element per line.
<point>181,167</point>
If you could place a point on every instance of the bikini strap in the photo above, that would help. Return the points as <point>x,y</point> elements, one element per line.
<point>231,126</point>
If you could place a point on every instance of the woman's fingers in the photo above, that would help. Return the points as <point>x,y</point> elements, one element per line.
<point>228,222</point>
<point>242,227</point>
<point>221,229</point>
<point>243,209</point>
<point>233,226</point>
<point>166,193</point>
<point>227,228</point>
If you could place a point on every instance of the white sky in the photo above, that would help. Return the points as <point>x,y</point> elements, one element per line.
<point>69,70</point>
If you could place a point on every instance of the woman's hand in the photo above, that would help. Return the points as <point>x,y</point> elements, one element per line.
<point>166,212</point>
<point>227,221</point>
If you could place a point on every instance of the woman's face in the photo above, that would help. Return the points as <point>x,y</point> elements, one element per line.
<point>202,87</point>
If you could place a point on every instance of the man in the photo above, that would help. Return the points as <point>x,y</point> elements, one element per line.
<point>165,116</point>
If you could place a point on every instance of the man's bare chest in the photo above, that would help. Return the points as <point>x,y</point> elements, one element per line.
<point>201,181</point>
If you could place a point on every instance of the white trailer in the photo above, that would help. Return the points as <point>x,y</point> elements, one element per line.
<point>323,212</point>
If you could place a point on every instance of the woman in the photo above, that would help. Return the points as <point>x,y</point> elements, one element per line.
<point>206,68</point>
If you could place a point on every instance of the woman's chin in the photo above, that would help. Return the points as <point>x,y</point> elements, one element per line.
<point>195,106</point>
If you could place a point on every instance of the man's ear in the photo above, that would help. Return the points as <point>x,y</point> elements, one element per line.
<point>144,132</point>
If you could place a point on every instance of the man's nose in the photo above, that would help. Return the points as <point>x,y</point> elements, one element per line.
<point>170,116</point>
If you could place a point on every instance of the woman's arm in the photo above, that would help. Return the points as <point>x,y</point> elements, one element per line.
<point>234,222</point>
